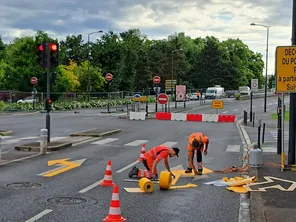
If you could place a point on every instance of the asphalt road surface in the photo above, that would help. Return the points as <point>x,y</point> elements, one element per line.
<point>76,196</point>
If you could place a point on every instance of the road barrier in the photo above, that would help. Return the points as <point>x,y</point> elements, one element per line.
<point>223,118</point>
<point>137,115</point>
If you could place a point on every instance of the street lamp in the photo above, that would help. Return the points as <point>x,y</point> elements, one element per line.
<point>88,60</point>
<point>173,74</point>
<point>266,63</point>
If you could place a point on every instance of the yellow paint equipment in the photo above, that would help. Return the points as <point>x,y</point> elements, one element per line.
<point>146,185</point>
<point>165,180</point>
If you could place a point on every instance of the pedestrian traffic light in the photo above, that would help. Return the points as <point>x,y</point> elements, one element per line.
<point>48,105</point>
<point>54,54</point>
<point>41,55</point>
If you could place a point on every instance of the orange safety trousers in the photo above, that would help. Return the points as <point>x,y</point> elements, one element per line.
<point>148,162</point>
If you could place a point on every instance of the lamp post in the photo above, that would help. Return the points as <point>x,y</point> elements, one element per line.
<point>266,63</point>
<point>88,60</point>
<point>173,74</point>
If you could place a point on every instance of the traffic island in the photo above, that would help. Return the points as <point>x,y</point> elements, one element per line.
<point>6,132</point>
<point>51,146</point>
<point>96,132</point>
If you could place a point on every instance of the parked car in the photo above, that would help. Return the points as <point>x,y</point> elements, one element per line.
<point>27,100</point>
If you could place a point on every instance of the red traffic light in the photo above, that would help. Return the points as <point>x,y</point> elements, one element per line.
<point>53,47</point>
<point>40,47</point>
<point>49,101</point>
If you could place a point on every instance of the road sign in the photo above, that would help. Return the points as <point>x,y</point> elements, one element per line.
<point>170,84</point>
<point>273,84</point>
<point>217,104</point>
<point>180,93</point>
<point>109,76</point>
<point>140,99</point>
<point>34,80</point>
<point>66,165</point>
<point>156,79</point>
<point>285,69</point>
<point>162,98</point>
<point>254,85</point>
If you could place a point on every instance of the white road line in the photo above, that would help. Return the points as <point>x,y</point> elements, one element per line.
<point>4,152</point>
<point>127,167</point>
<point>136,143</point>
<point>169,144</point>
<point>269,104</point>
<point>120,114</point>
<point>55,138</point>
<point>269,150</point>
<point>225,112</point>
<point>235,110</point>
<point>108,140</point>
<point>29,138</point>
<point>91,186</point>
<point>38,216</point>
<point>233,148</point>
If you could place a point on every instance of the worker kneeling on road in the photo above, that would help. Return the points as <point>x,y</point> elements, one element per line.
<point>196,142</point>
<point>152,158</point>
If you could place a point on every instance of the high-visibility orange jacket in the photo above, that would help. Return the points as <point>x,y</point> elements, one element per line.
<point>157,153</point>
<point>200,137</point>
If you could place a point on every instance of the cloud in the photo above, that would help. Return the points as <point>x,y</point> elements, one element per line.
<point>157,19</point>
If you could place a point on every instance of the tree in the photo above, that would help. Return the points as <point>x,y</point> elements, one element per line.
<point>270,80</point>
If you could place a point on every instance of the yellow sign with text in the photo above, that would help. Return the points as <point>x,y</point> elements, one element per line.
<point>217,104</point>
<point>140,99</point>
<point>285,69</point>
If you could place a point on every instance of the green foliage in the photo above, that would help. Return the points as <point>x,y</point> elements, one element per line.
<point>2,105</point>
<point>275,116</point>
<point>272,78</point>
<point>133,60</point>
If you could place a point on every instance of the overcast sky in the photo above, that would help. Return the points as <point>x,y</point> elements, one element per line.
<point>155,18</point>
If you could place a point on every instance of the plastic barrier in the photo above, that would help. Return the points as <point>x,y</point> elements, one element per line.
<point>163,116</point>
<point>179,116</point>
<point>209,117</point>
<point>194,117</point>
<point>137,115</point>
<point>226,118</point>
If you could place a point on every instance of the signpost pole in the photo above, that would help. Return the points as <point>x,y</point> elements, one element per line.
<point>251,106</point>
<point>282,125</point>
<point>156,95</point>
<point>292,119</point>
<point>108,96</point>
<point>279,125</point>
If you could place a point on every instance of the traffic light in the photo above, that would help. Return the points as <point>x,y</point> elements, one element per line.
<point>54,54</point>
<point>41,54</point>
<point>48,105</point>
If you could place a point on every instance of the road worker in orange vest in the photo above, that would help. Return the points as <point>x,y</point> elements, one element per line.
<point>197,142</point>
<point>152,158</point>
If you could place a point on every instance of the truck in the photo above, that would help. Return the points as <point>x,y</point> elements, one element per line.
<point>215,92</point>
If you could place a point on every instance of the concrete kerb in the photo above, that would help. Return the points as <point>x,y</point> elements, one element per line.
<point>6,132</point>
<point>249,204</point>
<point>94,134</point>
<point>35,147</point>
<point>19,159</point>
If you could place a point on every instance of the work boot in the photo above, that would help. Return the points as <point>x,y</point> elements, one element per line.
<point>200,171</point>
<point>133,172</point>
<point>189,170</point>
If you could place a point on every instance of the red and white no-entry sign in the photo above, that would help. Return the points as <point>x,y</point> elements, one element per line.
<point>156,79</point>
<point>162,98</point>
<point>109,76</point>
<point>34,80</point>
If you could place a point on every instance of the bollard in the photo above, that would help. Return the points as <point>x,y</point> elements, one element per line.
<point>253,119</point>
<point>43,141</point>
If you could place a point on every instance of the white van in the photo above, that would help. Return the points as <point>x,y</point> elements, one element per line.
<point>244,90</point>
<point>215,92</point>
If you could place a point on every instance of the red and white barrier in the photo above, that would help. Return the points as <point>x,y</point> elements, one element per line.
<point>224,118</point>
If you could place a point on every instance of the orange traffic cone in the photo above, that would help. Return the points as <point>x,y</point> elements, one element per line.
<point>108,176</point>
<point>143,151</point>
<point>114,210</point>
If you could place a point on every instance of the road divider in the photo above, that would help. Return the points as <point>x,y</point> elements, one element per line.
<point>223,118</point>
<point>137,115</point>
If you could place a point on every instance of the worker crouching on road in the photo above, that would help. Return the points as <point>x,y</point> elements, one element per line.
<point>196,141</point>
<point>152,158</point>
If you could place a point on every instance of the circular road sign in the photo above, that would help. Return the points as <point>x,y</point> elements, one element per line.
<point>156,79</point>
<point>254,84</point>
<point>109,76</point>
<point>162,98</point>
<point>34,80</point>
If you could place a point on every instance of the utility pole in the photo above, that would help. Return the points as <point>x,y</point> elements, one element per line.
<point>292,119</point>
<point>48,90</point>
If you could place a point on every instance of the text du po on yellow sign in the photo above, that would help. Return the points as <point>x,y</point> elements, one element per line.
<point>286,69</point>
<point>217,104</point>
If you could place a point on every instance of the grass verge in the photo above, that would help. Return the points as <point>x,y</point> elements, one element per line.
<point>275,116</point>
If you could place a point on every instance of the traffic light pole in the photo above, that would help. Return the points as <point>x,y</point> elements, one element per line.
<point>292,119</point>
<point>48,90</point>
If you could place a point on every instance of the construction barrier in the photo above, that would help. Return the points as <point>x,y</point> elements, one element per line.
<point>137,115</point>
<point>163,116</point>
<point>222,118</point>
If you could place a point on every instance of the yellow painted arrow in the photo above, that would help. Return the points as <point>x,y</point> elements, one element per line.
<point>64,165</point>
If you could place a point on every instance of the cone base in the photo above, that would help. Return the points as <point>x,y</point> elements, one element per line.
<point>107,184</point>
<point>107,219</point>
